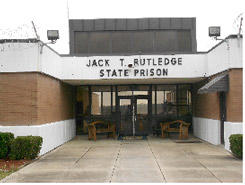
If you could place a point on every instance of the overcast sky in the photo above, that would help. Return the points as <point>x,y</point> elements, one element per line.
<point>16,16</point>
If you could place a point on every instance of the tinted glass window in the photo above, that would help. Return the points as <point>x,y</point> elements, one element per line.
<point>81,42</point>
<point>184,40</point>
<point>121,42</point>
<point>143,41</point>
<point>166,41</point>
<point>107,42</point>
<point>99,42</point>
<point>173,40</point>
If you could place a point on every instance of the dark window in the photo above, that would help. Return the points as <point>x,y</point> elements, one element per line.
<point>121,42</point>
<point>184,40</point>
<point>143,41</point>
<point>173,40</point>
<point>107,42</point>
<point>81,42</point>
<point>99,42</point>
<point>166,41</point>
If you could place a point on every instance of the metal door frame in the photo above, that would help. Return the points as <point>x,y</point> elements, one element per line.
<point>134,99</point>
<point>119,101</point>
<point>222,102</point>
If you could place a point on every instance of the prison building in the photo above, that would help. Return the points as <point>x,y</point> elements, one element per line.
<point>135,73</point>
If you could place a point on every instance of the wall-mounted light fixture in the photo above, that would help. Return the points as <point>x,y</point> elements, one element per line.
<point>214,31</point>
<point>53,35</point>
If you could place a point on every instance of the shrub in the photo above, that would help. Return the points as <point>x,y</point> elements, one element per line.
<point>236,145</point>
<point>25,147</point>
<point>5,142</point>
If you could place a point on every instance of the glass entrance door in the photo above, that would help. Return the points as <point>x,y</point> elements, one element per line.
<point>141,117</point>
<point>133,115</point>
<point>126,117</point>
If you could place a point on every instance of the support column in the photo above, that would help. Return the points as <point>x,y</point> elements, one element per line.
<point>90,103</point>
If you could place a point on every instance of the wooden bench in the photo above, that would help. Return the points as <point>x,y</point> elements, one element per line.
<point>182,128</point>
<point>101,127</point>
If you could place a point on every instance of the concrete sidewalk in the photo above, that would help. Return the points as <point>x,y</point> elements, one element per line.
<point>152,160</point>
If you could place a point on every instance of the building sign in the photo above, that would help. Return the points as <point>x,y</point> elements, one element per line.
<point>134,67</point>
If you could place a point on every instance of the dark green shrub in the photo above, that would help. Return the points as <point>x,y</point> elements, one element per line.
<point>25,147</point>
<point>5,142</point>
<point>236,145</point>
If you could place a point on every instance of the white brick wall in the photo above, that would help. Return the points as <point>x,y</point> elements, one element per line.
<point>231,128</point>
<point>207,129</point>
<point>54,134</point>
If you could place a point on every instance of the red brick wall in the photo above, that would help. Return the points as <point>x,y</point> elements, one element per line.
<point>234,96</point>
<point>18,98</point>
<point>205,105</point>
<point>54,100</point>
<point>33,98</point>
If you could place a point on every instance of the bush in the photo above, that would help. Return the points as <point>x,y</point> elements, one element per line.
<point>236,145</point>
<point>5,142</point>
<point>25,147</point>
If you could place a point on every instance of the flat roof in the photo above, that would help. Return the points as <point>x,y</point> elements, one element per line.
<point>29,40</point>
<point>116,24</point>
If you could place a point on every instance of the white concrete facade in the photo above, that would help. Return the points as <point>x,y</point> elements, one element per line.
<point>54,134</point>
<point>33,57</point>
<point>231,128</point>
<point>75,68</point>
<point>207,129</point>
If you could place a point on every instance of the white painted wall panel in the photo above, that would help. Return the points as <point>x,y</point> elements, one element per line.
<point>218,59</point>
<point>231,128</point>
<point>236,53</point>
<point>50,63</point>
<point>227,55</point>
<point>207,129</point>
<point>53,134</point>
<point>18,57</point>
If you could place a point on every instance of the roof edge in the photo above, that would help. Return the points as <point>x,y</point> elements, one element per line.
<point>120,18</point>
<point>233,36</point>
<point>29,40</point>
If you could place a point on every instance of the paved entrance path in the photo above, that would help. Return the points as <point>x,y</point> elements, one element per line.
<point>152,160</point>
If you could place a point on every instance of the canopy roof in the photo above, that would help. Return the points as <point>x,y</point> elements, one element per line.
<point>218,84</point>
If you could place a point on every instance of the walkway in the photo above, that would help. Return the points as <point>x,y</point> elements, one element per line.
<point>152,160</point>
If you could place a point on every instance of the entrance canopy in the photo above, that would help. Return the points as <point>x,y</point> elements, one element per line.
<point>218,84</point>
<point>135,81</point>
